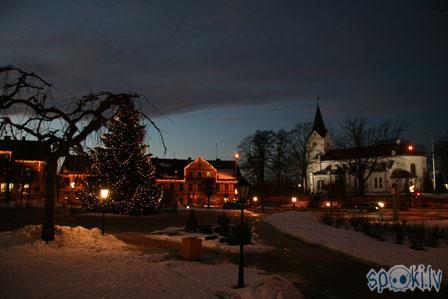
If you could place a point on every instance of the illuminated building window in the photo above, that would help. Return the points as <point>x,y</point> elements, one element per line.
<point>3,187</point>
<point>208,174</point>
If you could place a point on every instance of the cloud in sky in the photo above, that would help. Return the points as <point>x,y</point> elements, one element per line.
<point>370,57</point>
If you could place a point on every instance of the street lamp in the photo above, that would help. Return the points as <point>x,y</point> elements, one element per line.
<point>104,194</point>
<point>255,199</point>
<point>381,205</point>
<point>293,200</point>
<point>243,192</point>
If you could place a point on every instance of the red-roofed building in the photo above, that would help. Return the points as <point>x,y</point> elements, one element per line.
<point>184,180</point>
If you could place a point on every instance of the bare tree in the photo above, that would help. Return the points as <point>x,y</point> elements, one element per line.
<point>209,188</point>
<point>299,151</point>
<point>256,154</point>
<point>441,153</point>
<point>363,142</point>
<point>280,165</point>
<point>60,130</point>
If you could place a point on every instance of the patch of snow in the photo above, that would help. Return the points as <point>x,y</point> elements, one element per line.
<point>81,263</point>
<point>304,225</point>
<point>176,234</point>
<point>73,238</point>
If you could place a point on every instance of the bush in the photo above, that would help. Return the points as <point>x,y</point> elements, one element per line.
<point>399,233</point>
<point>223,228</point>
<point>432,236</point>
<point>192,223</point>
<point>205,229</point>
<point>223,220</point>
<point>338,222</point>
<point>358,223</point>
<point>416,236</point>
<point>326,219</point>
<point>235,234</point>
<point>444,233</point>
<point>377,231</point>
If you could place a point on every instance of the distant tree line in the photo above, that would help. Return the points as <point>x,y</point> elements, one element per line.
<point>441,155</point>
<point>276,160</point>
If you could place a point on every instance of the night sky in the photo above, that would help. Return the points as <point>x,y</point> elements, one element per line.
<point>219,70</point>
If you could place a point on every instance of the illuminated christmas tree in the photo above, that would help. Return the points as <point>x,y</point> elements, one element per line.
<point>125,167</point>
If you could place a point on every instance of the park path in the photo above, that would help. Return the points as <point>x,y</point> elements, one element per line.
<point>318,272</point>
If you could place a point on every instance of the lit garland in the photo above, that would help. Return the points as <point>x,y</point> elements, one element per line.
<point>124,167</point>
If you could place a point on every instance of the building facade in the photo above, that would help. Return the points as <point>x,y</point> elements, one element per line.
<point>22,171</point>
<point>187,181</point>
<point>399,164</point>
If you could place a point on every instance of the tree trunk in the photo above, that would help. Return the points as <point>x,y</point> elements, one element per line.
<point>50,199</point>
<point>361,186</point>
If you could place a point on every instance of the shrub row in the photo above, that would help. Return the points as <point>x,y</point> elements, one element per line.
<point>418,236</point>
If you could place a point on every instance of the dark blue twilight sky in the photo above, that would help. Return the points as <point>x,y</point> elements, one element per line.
<point>222,69</point>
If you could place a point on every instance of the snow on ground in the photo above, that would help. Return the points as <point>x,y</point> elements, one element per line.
<point>175,234</point>
<point>305,226</point>
<point>81,263</point>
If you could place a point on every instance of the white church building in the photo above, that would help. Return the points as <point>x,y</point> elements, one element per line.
<point>325,167</point>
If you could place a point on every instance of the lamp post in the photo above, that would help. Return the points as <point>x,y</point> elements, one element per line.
<point>243,192</point>
<point>104,194</point>
<point>293,200</point>
<point>381,205</point>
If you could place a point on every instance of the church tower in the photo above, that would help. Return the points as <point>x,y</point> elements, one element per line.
<point>319,140</point>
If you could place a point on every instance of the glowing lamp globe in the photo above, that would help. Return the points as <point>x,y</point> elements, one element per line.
<point>104,193</point>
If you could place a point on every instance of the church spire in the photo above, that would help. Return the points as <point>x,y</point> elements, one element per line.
<point>318,124</point>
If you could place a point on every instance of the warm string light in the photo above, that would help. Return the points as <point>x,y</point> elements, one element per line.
<point>124,166</point>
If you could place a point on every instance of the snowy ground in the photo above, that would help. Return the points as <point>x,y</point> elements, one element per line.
<point>305,226</point>
<point>175,234</point>
<point>81,263</point>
